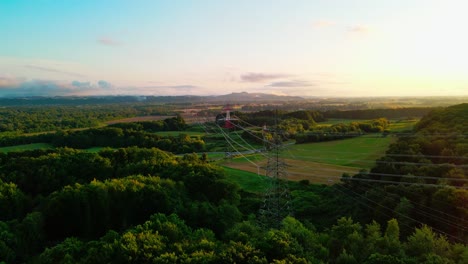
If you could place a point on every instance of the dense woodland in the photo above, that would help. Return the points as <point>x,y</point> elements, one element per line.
<point>435,154</point>
<point>136,203</point>
<point>30,119</point>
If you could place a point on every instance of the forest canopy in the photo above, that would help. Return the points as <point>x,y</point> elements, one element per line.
<point>137,203</point>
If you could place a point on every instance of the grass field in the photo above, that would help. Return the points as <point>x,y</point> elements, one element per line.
<point>297,170</point>
<point>248,181</point>
<point>26,147</point>
<point>360,152</point>
<point>334,121</point>
<point>402,125</point>
<point>320,163</point>
<point>95,149</point>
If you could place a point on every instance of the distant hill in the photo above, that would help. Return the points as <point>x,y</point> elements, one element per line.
<point>246,97</point>
<point>182,99</point>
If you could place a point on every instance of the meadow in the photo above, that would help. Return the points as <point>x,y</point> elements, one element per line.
<point>322,162</point>
<point>24,147</point>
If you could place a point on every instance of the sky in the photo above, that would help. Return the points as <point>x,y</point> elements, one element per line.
<point>328,48</point>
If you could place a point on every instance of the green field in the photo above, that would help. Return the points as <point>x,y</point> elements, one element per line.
<point>334,121</point>
<point>95,149</point>
<point>320,163</point>
<point>26,147</point>
<point>402,125</point>
<point>360,152</point>
<point>248,181</point>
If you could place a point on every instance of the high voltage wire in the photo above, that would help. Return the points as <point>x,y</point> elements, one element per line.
<point>387,181</point>
<point>430,208</point>
<point>224,134</point>
<point>427,156</point>
<point>397,155</point>
<point>405,216</point>
<point>388,175</point>
<point>366,181</point>
<point>395,175</point>
<point>388,162</point>
<point>441,220</point>
<point>345,171</point>
<point>402,215</point>
<point>394,133</point>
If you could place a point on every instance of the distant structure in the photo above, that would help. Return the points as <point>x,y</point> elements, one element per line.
<point>227,121</point>
<point>224,119</point>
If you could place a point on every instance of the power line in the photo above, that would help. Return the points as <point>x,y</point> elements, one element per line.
<point>421,212</point>
<point>402,215</point>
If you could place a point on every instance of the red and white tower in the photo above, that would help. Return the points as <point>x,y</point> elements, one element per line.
<point>227,120</point>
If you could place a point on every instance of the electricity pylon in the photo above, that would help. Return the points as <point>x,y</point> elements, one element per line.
<point>276,204</point>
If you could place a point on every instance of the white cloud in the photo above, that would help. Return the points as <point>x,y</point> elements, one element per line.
<point>296,83</point>
<point>323,23</point>
<point>260,77</point>
<point>107,41</point>
<point>360,29</point>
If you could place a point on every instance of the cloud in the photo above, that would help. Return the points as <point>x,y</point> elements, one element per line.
<point>35,88</point>
<point>323,23</point>
<point>78,84</point>
<point>360,29</point>
<point>10,87</point>
<point>15,87</point>
<point>107,41</point>
<point>291,84</point>
<point>260,77</point>
<point>104,85</point>
<point>47,69</point>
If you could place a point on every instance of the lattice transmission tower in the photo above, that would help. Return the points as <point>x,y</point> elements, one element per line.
<point>276,204</point>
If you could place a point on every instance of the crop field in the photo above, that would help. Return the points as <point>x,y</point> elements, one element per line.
<point>360,152</point>
<point>323,162</point>
<point>297,170</point>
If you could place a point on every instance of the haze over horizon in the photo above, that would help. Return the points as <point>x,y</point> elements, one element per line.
<point>208,47</point>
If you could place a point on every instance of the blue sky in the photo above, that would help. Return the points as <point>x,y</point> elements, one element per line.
<point>313,48</point>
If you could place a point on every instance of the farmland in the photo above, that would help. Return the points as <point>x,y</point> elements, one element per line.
<point>321,162</point>
<point>325,162</point>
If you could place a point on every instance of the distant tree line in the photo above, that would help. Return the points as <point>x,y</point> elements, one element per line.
<point>390,113</point>
<point>342,131</point>
<point>30,119</point>
<point>117,136</point>
<point>274,117</point>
